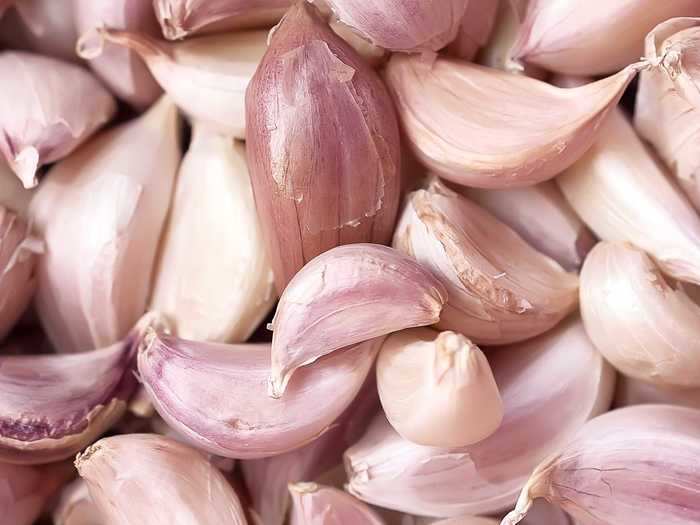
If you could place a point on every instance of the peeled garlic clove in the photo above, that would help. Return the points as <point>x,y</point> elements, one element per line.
<point>632,391</point>
<point>41,120</point>
<point>76,506</point>
<point>216,394</point>
<point>134,476</point>
<point>213,217</point>
<point>121,69</point>
<point>437,389</point>
<point>313,88</point>
<point>499,288</point>
<point>487,128</point>
<point>474,32</point>
<point>13,195</point>
<point>317,504</point>
<point>345,296</point>
<point>632,465</point>
<point>579,37</point>
<point>550,386</point>
<point>541,216</point>
<point>101,213</point>
<point>621,193</point>
<point>24,491</point>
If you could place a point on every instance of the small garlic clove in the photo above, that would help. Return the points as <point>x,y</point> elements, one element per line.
<point>550,386</point>
<point>101,212</point>
<point>13,195</point>
<point>632,391</point>
<point>313,88</point>
<point>138,478</point>
<point>500,289</point>
<point>41,120</point>
<point>437,389</point>
<point>25,491</point>
<point>487,128</point>
<point>213,217</point>
<point>330,304</point>
<point>121,69</point>
<point>632,465</point>
<point>474,32</point>
<point>76,507</point>
<point>580,37</point>
<point>621,193</point>
<point>216,394</point>
<point>541,216</point>
<point>314,504</point>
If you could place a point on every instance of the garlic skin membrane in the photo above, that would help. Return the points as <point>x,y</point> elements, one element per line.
<point>437,389</point>
<point>460,119</point>
<point>122,472</point>
<point>632,391</point>
<point>100,214</point>
<point>622,194</point>
<point>26,490</point>
<point>13,195</point>
<point>550,386</point>
<point>499,289</point>
<point>314,504</point>
<point>475,30</point>
<point>581,37</point>
<point>40,120</point>
<point>345,296</point>
<point>76,506</point>
<point>644,453</point>
<point>312,88</point>
<point>213,219</point>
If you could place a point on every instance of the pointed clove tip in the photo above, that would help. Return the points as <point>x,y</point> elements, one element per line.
<point>90,45</point>
<point>25,166</point>
<point>81,458</point>
<point>277,384</point>
<point>302,487</point>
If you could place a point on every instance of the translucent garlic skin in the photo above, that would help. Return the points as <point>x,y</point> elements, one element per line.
<point>314,504</point>
<point>134,477</point>
<point>635,392</point>
<point>475,30</point>
<point>24,491</point>
<point>313,88</point>
<point>76,506</point>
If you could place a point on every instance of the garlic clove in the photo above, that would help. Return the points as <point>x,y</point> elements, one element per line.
<point>460,119</point>
<point>550,386</point>
<point>542,217</point>
<point>76,506</point>
<point>632,465</point>
<point>474,32</point>
<point>95,277</point>
<point>580,37</point>
<point>121,69</point>
<point>621,193</point>
<point>13,195</point>
<point>40,120</point>
<point>213,217</point>
<point>632,391</point>
<point>500,289</point>
<point>314,504</point>
<point>121,473</point>
<point>215,394</point>
<point>437,389</point>
<point>330,304</point>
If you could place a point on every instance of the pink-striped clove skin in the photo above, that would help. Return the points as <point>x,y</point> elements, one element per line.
<point>632,465</point>
<point>500,290</point>
<point>312,88</point>
<point>122,70</point>
<point>314,504</point>
<point>474,32</point>
<point>76,507</point>
<point>488,128</point>
<point>137,477</point>
<point>47,109</point>
<point>632,391</point>
<point>345,296</point>
<point>101,212</point>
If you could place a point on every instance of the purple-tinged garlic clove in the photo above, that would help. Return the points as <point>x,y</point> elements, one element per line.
<point>314,504</point>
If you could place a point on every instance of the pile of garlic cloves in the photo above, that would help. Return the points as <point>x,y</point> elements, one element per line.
<point>328,262</point>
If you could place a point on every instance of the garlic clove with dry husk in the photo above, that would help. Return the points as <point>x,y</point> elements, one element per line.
<point>622,194</point>
<point>76,506</point>
<point>213,219</point>
<point>314,504</point>
<point>313,88</point>
<point>345,296</point>
<point>632,465</point>
<point>122,70</point>
<point>499,288</point>
<point>550,386</point>
<point>13,195</point>
<point>487,128</point>
<point>437,389</point>
<point>474,32</point>
<point>632,391</point>
<point>584,37</point>
<point>101,212</point>
<point>137,477</point>
<point>47,108</point>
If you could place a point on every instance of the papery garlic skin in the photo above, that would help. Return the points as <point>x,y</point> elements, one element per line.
<point>24,491</point>
<point>213,280</point>
<point>475,30</point>
<point>345,296</point>
<point>101,213</point>
<point>632,465</point>
<point>314,504</point>
<point>635,392</point>
<point>500,289</point>
<point>42,121</point>
<point>313,88</point>
<point>13,195</point>
<point>437,389</point>
<point>134,476</point>
<point>582,37</point>
<point>621,193</point>
<point>550,386</point>
<point>372,54</point>
<point>76,506</point>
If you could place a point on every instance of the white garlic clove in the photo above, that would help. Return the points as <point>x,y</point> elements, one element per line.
<point>76,506</point>
<point>314,504</point>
